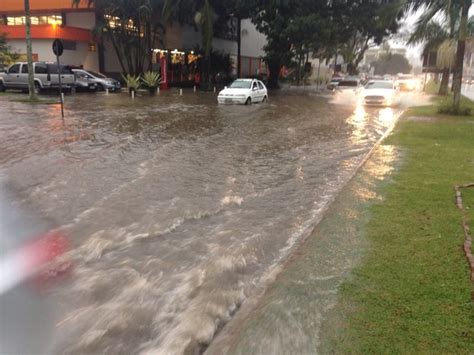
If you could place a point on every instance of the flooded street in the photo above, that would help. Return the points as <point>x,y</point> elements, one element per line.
<point>177,208</point>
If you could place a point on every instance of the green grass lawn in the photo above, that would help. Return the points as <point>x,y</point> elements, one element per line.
<point>411,292</point>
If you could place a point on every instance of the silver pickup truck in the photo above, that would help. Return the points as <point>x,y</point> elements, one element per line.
<point>45,74</point>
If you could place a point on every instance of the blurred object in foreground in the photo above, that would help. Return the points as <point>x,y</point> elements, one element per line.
<point>29,262</point>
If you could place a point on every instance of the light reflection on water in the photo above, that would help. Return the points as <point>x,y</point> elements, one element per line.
<point>177,207</point>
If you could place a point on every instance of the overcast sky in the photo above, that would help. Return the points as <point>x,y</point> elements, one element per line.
<point>413,52</point>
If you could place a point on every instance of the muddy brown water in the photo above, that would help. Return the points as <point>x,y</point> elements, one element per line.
<point>176,207</point>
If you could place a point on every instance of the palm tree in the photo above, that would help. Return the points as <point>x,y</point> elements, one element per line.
<point>29,52</point>
<point>433,34</point>
<point>132,27</point>
<point>437,7</point>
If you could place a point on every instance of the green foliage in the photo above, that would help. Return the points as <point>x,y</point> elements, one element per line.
<point>7,57</point>
<point>132,81</point>
<point>391,64</point>
<point>450,109</point>
<point>133,29</point>
<point>151,79</point>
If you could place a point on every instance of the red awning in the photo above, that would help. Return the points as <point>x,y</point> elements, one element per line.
<point>48,32</point>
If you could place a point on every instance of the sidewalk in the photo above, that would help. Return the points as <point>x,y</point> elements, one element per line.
<point>384,271</point>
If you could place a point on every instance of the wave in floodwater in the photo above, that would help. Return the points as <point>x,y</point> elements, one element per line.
<point>177,207</point>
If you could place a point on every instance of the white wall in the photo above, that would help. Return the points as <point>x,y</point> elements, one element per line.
<point>252,40</point>
<point>80,19</point>
<point>191,38</point>
<point>42,47</point>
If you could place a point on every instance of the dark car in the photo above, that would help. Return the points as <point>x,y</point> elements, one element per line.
<point>99,80</point>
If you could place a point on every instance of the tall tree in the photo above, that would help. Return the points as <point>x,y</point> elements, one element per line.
<point>432,35</point>
<point>438,7</point>
<point>365,23</point>
<point>29,52</point>
<point>132,26</point>
<point>272,18</point>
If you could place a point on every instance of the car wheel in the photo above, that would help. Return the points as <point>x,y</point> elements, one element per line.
<point>100,87</point>
<point>248,101</point>
<point>264,99</point>
<point>37,88</point>
<point>2,87</point>
<point>73,90</point>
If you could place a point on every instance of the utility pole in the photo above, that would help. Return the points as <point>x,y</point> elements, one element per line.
<point>29,52</point>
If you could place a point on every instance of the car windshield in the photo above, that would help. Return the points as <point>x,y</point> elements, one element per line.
<point>348,83</point>
<point>97,75</point>
<point>379,85</point>
<point>241,84</point>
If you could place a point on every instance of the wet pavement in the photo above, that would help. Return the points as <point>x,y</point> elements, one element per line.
<point>177,208</point>
<point>299,313</point>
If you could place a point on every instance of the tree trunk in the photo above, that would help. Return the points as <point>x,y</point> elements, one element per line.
<point>239,46</point>
<point>274,68</point>
<point>457,79</point>
<point>29,52</point>
<point>443,88</point>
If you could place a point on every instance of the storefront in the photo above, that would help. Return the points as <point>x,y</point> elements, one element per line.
<point>177,68</point>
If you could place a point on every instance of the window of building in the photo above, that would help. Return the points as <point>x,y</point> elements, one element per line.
<point>35,20</point>
<point>69,45</point>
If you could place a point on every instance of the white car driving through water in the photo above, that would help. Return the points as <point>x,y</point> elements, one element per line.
<point>380,93</point>
<point>243,91</point>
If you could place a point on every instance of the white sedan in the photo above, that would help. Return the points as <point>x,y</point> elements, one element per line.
<point>243,91</point>
<point>380,93</point>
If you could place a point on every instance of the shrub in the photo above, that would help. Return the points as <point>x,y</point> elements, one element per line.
<point>449,109</point>
<point>151,80</point>
<point>132,82</point>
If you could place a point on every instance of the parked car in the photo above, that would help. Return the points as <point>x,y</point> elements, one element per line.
<point>380,93</point>
<point>45,76</point>
<point>100,80</point>
<point>243,91</point>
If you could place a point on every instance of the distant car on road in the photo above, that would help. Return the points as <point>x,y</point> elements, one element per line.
<point>350,83</point>
<point>89,77</point>
<point>45,77</point>
<point>406,82</point>
<point>334,83</point>
<point>243,91</point>
<point>380,93</point>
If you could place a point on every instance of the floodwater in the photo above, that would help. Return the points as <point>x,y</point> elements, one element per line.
<point>177,208</point>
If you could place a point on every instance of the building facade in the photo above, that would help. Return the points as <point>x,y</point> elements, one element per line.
<point>373,54</point>
<point>53,19</point>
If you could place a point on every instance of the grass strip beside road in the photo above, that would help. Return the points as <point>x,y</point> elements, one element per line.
<point>411,293</point>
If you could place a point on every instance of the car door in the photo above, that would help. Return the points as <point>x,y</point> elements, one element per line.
<point>41,73</point>
<point>13,75</point>
<point>23,77</point>
<point>262,90</point>
<point>255,95</point>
